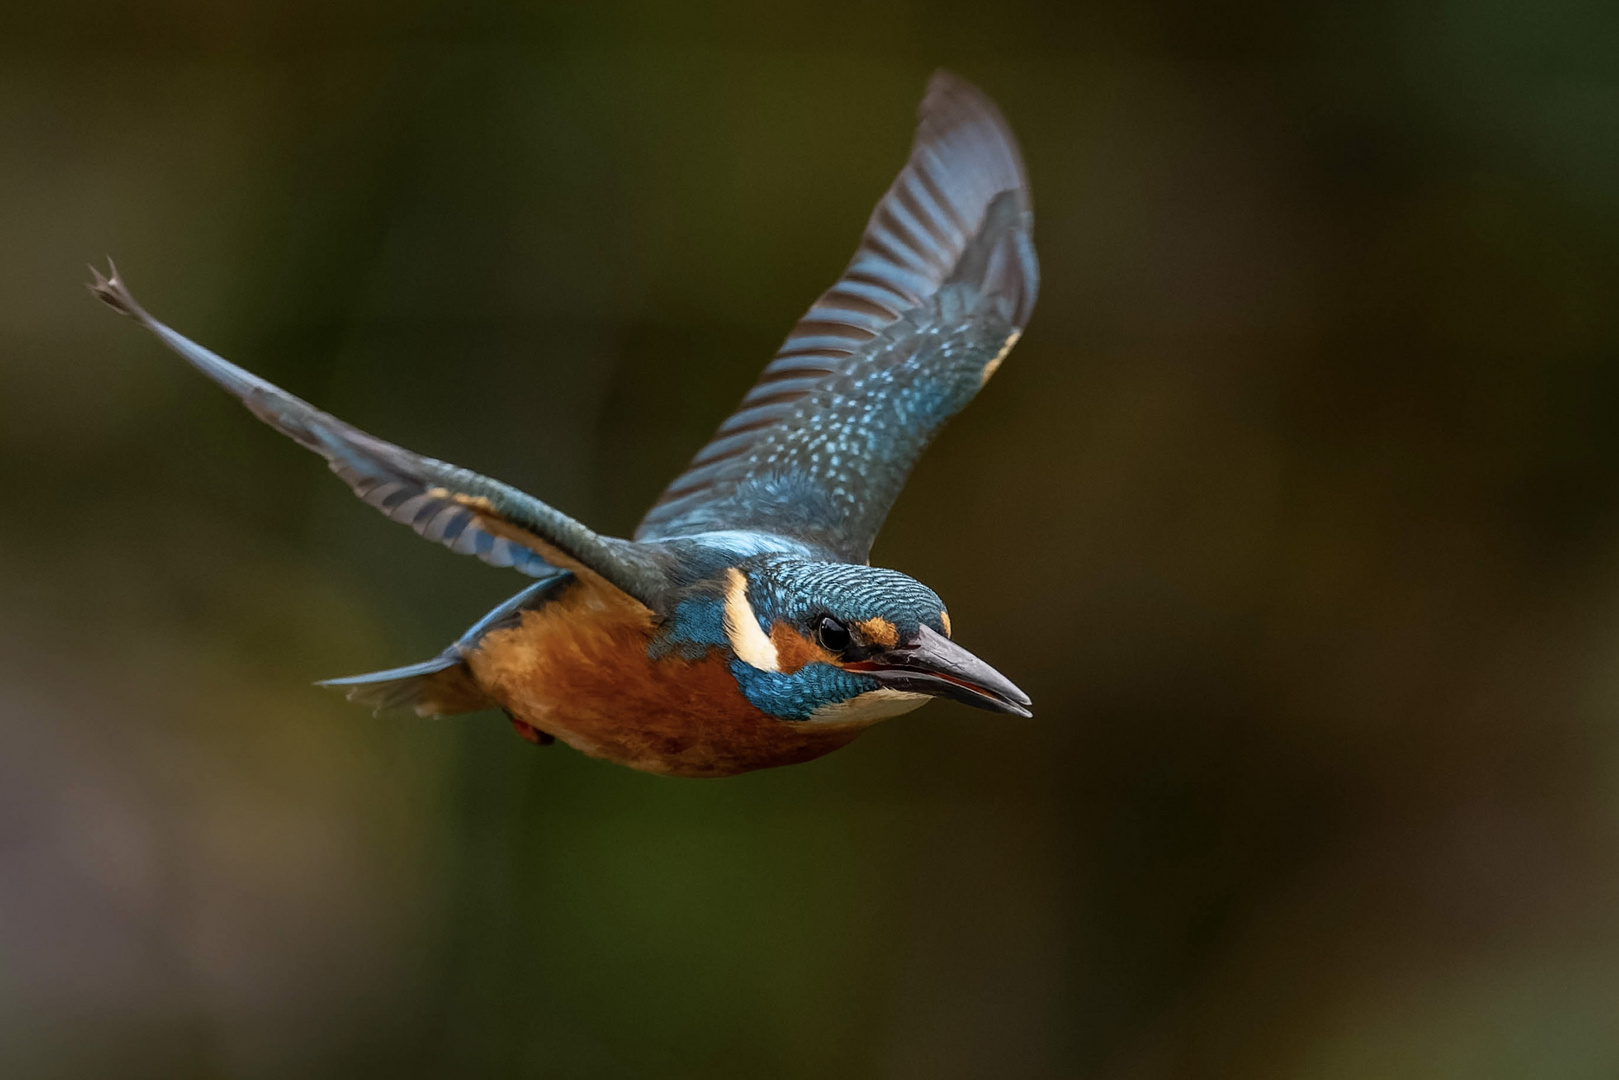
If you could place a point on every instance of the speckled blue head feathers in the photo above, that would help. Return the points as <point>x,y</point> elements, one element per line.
<point>798,591</point>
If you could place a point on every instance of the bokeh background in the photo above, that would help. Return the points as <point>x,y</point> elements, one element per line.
<point>1296,511</point>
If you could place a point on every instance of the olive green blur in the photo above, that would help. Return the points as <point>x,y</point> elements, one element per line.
<point>1296,512</point>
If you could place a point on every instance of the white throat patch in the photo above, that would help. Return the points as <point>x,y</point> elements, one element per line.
<point>742,630</point>
<point>870,707</point>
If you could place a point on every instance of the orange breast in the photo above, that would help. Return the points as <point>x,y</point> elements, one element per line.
<point>578,669</point>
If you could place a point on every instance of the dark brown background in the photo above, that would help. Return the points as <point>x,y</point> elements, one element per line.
<point>1296,511</point>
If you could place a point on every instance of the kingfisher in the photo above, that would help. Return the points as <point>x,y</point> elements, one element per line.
<point>742,627</point>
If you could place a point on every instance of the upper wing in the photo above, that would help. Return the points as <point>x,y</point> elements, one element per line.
<point>462,510</point>
<point>937,293</point>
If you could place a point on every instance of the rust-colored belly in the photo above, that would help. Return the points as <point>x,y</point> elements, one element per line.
<point>578,669</point>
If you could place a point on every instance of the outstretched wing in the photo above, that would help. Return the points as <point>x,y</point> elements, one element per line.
<point>462,510</point>
<point>938,292</point>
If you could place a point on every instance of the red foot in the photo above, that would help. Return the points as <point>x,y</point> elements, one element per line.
<point>531,733</point>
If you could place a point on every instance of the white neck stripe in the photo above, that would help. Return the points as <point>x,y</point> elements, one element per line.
<point>747,640</point>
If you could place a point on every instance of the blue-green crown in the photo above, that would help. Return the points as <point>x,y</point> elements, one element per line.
<point>797,592</point>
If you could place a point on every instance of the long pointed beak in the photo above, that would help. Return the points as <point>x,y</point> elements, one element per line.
<point>938,666</point>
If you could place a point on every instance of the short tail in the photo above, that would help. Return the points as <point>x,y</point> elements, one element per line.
<point>442,686</point>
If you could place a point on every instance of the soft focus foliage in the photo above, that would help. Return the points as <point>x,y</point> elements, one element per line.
<point>1296,511</point>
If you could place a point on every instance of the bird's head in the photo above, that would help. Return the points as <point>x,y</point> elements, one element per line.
<point>818,641</point>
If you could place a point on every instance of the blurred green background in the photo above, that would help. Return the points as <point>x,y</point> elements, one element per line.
<point>1296,512</point>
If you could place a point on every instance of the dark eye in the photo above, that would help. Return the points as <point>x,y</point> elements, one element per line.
<point>833,635</point>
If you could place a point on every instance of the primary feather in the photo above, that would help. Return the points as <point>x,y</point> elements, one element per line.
<point>940,287</point>
<point>447,504</point>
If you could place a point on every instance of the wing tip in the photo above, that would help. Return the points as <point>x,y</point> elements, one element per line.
<point>110,289</point>
<point>947,92</point>
<point>951,103</point>
<point>999,253</point>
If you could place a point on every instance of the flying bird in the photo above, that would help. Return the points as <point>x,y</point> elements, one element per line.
<point>742,627</point>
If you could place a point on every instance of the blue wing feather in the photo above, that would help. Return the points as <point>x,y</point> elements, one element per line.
<point>467,513</point>
<point>941,285</point>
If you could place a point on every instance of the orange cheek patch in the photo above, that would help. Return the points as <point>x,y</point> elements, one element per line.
<point>879,631</point>
<point>793,651</point>
<point>944,619</point>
